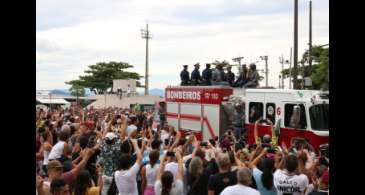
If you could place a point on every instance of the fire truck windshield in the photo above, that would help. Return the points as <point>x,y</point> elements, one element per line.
<point>319,116</point>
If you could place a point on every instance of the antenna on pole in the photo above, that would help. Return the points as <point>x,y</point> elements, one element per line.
<point>146,35</point>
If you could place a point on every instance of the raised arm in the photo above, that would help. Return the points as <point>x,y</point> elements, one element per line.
<point>177,139</point>
<point>258,158</point>
<point>255,132</point>
<point>137,150</point>
<point>180,169</point>
<point>161,168</point>
<point>86,154</point>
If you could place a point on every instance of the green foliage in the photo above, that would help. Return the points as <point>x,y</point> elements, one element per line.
<point>77,90</point>
<point>99,77</point>
<point>319,71</point>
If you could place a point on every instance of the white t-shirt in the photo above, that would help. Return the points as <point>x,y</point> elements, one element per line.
<point>131,128</point>
<point>239,189</point>
<point>172,167</point>
<point>151,174</point>
<point>164,135</point>
<point>57,151</point>
<point>177,188</point>
<point>126,180</point>
<point>295,184</point>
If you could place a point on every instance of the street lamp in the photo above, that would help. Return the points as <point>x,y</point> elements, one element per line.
<point>265,58</point>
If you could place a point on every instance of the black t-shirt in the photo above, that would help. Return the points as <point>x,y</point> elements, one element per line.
<point>198,186</point>
<point>219,181</point>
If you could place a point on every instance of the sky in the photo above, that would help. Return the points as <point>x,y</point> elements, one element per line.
<point>71,35</point>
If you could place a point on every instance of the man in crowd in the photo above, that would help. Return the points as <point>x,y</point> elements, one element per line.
<point>244,180</point>
<point>195,75</point>
<point>185,76</point>
<point>207,75</point>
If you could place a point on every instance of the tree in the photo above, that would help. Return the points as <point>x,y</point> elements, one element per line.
<point>99,77</point>
<point>319,70</point>
<point>77,90</point>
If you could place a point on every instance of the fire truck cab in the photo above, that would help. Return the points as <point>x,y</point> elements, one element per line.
<point>207,111</point>
<point>294,113</point>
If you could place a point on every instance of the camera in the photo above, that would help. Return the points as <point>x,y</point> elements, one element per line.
<point>170,153</point>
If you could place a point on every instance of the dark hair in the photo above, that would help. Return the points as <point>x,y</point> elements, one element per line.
<point>63,135</point>
<point>166,180</point>
<point>125,161</point>
<point>72,120</point>
<point>82,182</point>
<point>125,147</point>
<point>267,176</point>
<point>83,141</point>
<point>56,185</point>
<point>45,135</point>
<point>133,119</point>
<point>72,129</point>
<point>154,155</point>
<point>156,144</point>
<point>291,163</point>
<point>59,124</point>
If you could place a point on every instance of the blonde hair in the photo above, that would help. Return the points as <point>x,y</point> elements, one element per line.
<point>224,161</point>
<point>196,167</point>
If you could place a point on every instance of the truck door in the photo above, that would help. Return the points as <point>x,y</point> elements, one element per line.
<point>295,122</point>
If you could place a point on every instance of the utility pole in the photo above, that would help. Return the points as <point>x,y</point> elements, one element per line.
<point>146,35</point>
<point>281,59</point>
<point>295,68</point>
<point>310,35</point>
<point>238,59</point>
<point>290,60</point>
<point>266,69</point>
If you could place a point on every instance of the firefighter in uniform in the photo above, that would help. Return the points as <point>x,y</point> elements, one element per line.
<point>195,75</point>
<point>230,76</point>
<point>185,76</point>
<point>207,75</point>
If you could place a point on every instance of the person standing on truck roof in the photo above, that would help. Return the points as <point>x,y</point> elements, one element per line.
<point>185,76</point>
<point>253,77</point>
<point>229,76</point>
<point>218,76</point>
<point>207,75</point>
<point>195,75</point>
<point>242,79</point>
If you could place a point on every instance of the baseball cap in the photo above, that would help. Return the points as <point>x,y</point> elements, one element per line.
<point>110,136</point>
<point>53,164</point>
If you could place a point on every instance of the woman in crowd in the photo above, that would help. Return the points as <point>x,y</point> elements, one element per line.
<point>84,184</point>
<point>125,176</point>
<point>149,172</point>
<point>165,184</point>
<point>264,177</point>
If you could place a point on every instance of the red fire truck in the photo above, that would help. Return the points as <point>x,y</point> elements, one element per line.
<point>207,111</point>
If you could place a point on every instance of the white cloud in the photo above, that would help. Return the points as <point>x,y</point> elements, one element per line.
<point>65,51</point>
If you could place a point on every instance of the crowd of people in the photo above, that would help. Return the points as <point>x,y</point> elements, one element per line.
<point>116,151</point>
<point>247,78</point>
